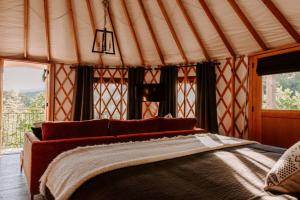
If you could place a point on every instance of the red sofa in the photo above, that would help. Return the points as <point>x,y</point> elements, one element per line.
<point>58,137</point>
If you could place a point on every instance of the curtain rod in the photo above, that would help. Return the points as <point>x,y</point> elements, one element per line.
<point>158,67</point>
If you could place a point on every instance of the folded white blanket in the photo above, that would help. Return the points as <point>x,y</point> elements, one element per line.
<point>68,171</point>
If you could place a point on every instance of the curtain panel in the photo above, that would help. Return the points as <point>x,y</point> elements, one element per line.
<point>82,108</point>
<point>206,108</point>
<point>134,104</point>
<point>168,81</point>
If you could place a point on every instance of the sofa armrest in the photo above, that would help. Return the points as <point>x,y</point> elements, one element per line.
<point>29,139</point>
<point>43,152</point>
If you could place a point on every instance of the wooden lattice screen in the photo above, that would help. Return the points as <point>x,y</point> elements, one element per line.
<point>186,92</point>
<point>150,109</point>
<point>63,97</point>
<point>232,89</point>
<point>110,94</point>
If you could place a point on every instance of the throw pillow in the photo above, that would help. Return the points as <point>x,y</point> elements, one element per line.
<point>285,175</point>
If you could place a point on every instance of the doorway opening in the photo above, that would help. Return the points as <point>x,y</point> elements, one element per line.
<point>23,96</point>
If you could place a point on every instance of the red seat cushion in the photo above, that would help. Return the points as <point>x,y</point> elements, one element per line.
<point>65,130</point>
<point>174,124</point>
<point>119,127</point>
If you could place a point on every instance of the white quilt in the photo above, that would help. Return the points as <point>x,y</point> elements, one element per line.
<point>68,171</point>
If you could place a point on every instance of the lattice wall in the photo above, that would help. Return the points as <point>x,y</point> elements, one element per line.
<point>110,94</point>
<point>150,109</point>
<point>64,83</point>
<point>186,92</point>
<point>232,90</point>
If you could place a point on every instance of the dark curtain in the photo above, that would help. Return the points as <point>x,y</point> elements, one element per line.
<point>82,108</point>
<point>206,106</point>
<point>168,81</point>
<point>134,104</point>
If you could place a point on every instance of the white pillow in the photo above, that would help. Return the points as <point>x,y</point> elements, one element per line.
<point>168,116</point>
<point>285,175</point>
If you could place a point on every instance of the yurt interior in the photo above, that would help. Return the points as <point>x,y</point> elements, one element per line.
<point>149,99</point>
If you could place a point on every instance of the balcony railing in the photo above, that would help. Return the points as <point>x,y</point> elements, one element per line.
<point>15,124</point>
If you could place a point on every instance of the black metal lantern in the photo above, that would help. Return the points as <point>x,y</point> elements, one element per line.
<point>104,39</point>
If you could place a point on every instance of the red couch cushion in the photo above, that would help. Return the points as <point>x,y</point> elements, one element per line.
<point>65,130</point>
<point>174,124</point>
<point>119,127</point>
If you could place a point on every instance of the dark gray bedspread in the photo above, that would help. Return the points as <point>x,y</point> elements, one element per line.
<point>233,173</point>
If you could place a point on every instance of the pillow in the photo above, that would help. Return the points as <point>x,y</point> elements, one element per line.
<point>37,129</point>
<point>174,124</point>
<point>285,175</point>
<point>65,130</point>
<point>168,116</point>
<point>119,127</point>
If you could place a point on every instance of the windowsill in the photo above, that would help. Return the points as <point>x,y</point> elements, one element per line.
<point>293,114</point>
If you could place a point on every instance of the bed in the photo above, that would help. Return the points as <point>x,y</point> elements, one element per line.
<point>226,172</point>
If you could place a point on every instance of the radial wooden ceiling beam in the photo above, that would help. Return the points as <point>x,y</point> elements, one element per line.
<point>93,24</point>
<point>124,6</point>
<point>217,27</point>
<point>280,17</point>
<point>26,10</point>
<point>47,36</point>
<point>248,24</point>
<point>192,27</point>
<point>74,34</point>
<point>112,22</point>
<point>146,17</point>
<point>164,12</point>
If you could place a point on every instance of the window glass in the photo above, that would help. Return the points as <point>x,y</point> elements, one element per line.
<point>281,91</point>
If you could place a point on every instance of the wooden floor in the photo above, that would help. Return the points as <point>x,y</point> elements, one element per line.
<point>12,181</point>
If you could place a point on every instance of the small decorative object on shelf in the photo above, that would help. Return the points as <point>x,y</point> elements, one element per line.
<point>104,39</point>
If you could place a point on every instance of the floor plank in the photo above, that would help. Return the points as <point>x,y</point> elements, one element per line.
<point>13,185</point>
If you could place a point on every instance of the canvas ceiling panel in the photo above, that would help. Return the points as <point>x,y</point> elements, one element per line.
<point>146,43</point>
<point>212,41</point>
<point>127,43</point>
<point>97,9</point>
<point>291,11</point>
<point>61,41</point>
<point>85,33</point>
<point>11,28</point>
<point>36,31</point>
<point>237,34</point>
<point>267,26</point>
<point>161,30</point>
<point>185,35</point>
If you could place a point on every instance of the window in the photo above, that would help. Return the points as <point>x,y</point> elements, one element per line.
<point>186,92</point>
<point>110,94</point>
<point>281,91</point>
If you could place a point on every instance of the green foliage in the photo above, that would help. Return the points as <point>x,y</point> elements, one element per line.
<point>286,99</point>
<point>20,111</point>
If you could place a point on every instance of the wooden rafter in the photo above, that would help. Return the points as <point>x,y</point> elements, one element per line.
<point>112,22</point>
<point>93,24</point>
<point>280,17</point>
<point>217,27</point>
<point>248,24</point>
<point>192,27</point>
<point>26,15</point>
<point>124,6</point>
<point>146,17</point>
<point>46,18</point>
<point>164,12</point>
<point>74,34</point>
